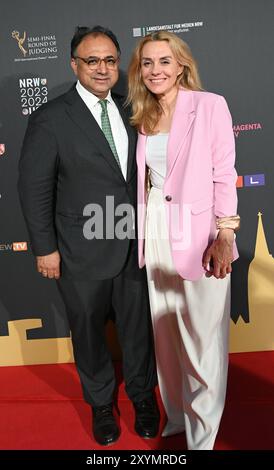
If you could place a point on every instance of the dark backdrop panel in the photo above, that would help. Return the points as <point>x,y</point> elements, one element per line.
<point>232,42</point>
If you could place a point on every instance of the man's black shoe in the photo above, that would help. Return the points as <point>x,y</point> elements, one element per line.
<point>105,428</point>
<point>147,418</point>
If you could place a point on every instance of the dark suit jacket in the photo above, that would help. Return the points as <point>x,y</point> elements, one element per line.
<point>66,163</point>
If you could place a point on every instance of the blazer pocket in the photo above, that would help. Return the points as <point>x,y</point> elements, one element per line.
<point>67,215</point>
<point>202,205</point>
<point>67,220</point>
<point>73,217</point>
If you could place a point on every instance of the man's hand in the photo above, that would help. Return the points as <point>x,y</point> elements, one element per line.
<point>219,255</point>
<point>49,265</point>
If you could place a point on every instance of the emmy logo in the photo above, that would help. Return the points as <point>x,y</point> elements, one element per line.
<point>15,35</point>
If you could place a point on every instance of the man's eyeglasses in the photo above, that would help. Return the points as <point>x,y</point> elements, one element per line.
<point>95,62</point>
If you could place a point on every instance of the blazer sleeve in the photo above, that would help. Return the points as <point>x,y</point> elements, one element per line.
<point>37,182</point>
<point>223,155</point>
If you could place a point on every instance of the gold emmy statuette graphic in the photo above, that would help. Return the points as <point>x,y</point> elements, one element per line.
<point>258,334</point>
<point>15,35</point>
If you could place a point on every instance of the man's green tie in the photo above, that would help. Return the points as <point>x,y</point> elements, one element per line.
<point>106,128</point>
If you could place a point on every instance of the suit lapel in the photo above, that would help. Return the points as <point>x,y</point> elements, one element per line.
<point>83,118</point>
<point>132,136</point>
<point>182,121</point>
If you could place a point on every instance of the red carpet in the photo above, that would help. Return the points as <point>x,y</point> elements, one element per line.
<point>41,407</point>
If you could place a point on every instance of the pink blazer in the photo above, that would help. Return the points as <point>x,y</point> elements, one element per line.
<point>200,181</point>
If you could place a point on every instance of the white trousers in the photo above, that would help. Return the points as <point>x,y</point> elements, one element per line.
<point>191,324</point>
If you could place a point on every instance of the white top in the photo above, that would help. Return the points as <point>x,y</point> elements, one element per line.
<point>156,158</point>
<point>117,126</point>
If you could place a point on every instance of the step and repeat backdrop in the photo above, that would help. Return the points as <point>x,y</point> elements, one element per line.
<point>233,44</point>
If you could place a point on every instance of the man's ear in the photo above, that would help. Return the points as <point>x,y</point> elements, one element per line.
<point>73,65</point>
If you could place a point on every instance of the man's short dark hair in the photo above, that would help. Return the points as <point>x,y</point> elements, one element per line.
<point>82,31</point>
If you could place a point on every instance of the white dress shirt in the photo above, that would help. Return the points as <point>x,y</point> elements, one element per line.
<point>117,126</point>
<point>156,158</point>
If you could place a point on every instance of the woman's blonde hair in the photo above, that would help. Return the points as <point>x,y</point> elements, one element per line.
<point>145,106</point>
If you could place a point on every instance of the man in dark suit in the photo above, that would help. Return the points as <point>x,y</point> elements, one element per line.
<point>77,187</point>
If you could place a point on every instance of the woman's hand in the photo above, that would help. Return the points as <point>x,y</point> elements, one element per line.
<point>219,256</point>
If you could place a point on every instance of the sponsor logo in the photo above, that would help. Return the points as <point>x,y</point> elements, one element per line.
<point>238,128</point>
<point>176,28</point>
<point>251,180</point>
<point>2,149</point>
<point>20,246</point>
<point>35,47</point>
<point>33,93</point>
<point>14,246</point>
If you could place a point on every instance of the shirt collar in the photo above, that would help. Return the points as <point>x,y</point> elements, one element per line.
<point>89,97</point>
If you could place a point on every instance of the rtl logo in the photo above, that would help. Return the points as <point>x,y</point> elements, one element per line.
<point>250,181</point>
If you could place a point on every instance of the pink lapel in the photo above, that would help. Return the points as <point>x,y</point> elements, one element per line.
<point>141,153</point>
<point>182,121</point>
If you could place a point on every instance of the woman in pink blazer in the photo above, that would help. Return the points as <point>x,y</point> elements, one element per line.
<point>186,221</point>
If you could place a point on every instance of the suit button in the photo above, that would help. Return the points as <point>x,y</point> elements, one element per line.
<point>168,198</point>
